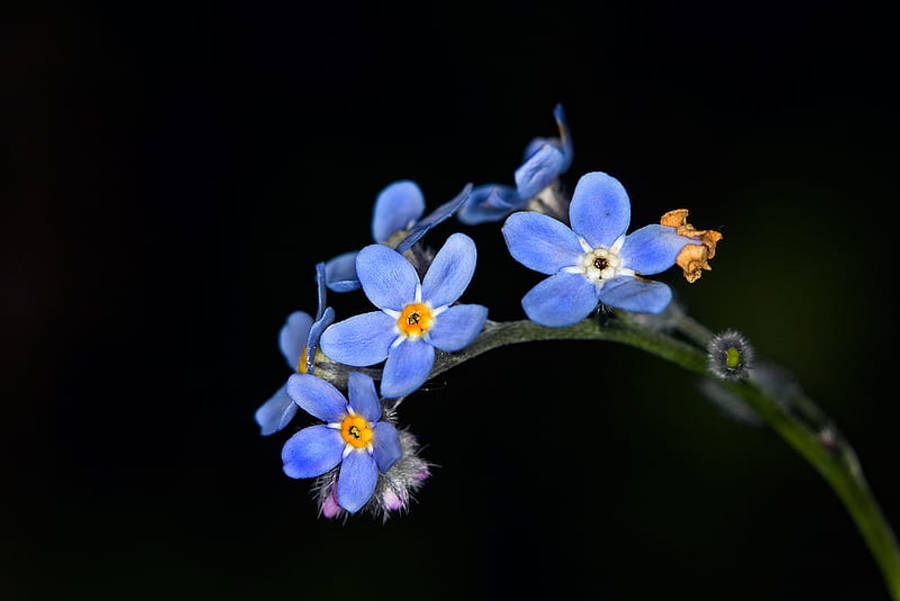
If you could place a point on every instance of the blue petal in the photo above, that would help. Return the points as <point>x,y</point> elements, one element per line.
<point>315,332</point>
<point>340,273</point>
<point>540,242</point>
<point>387,278</point>
<point>565,137</point>
<point>361,340</point>
<point>490,202</point>
<point>563,142</point>
<point>317,397</point>
<point>276,413</point>
<point>357,480</point>
<point>292,337</point>
<point>321,291</point>
<point>652,249</point>
<point>456,327</point>
<point>450,272</point>
<point>363,398</point>
<point>600,209</point>
<point>387,446</point>
<point>397,207</point>
<point>560,300</point>
<point>534,146</point>
<point>407,368</point>
<point>631,294</point>
<point>312,451</point>
<point>437,216</point>
<point>539,171</point>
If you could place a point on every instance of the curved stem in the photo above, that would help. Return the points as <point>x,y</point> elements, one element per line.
<point>799,421</point>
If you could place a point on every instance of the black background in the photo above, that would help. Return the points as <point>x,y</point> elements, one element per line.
<point>175,172</point>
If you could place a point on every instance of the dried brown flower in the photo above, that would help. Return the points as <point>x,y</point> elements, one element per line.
<point>693,258</point>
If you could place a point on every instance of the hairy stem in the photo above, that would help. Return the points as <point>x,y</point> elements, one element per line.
<point>799,421</point>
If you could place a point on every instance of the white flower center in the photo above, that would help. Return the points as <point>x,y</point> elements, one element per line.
<point>600,264</point>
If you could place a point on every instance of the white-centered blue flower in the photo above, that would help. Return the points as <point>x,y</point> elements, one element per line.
<point>352,436</point>
<point>414,317</point>
<point>593,261</point>
<point>298,341</point>
<point>397,222</point>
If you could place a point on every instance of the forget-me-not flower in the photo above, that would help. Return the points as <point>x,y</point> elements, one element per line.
<point>351,436</point>
<point>298,341</point>
<point>396,222</point>
<point>593,261</point>
<point>545,160</point>
<point>414,318</point>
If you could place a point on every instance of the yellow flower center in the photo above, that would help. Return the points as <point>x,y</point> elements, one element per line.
<point>356,431</point>
<point>415,320</point>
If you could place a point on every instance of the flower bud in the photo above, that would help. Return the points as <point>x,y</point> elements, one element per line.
<point>730,356</point>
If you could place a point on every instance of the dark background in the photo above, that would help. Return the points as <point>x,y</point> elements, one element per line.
<point>173,174</point>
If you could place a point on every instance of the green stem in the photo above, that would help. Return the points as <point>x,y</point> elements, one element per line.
<point>800,422</point>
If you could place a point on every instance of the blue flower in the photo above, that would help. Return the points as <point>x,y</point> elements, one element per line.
<point>414,318</point>
<point>352,437</point>
<point>396,222</point>
<point>593,261</point>
<point>298,340</point>
<point>545,160</point>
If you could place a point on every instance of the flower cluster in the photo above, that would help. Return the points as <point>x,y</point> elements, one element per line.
<point>356,454</point>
